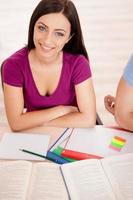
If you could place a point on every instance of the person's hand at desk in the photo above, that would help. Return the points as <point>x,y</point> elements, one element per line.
<point>109,102</point>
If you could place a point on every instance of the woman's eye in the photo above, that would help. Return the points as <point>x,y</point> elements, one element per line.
<point>42,28</point>
<point>59,34</point>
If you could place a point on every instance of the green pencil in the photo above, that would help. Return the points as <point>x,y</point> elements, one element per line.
<point>36,154</point>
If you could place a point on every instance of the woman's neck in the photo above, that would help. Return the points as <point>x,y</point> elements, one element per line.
<point>45,62</point>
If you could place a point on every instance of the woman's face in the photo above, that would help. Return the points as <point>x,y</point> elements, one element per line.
<point>51,33</point>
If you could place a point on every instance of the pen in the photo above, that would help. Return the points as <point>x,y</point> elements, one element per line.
<point>36,154</point>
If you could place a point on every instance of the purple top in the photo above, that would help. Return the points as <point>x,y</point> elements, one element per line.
<point>16,71</point>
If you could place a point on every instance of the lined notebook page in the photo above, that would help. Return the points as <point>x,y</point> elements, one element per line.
<point>86,180</point>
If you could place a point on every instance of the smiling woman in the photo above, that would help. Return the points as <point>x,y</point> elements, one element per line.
<point>50,77</point>
<point>51,33</point>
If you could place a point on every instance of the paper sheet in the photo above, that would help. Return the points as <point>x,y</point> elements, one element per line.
<point>97,141</point>
<point>12,142</point>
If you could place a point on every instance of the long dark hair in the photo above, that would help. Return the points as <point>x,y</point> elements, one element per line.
<point>76,43</point>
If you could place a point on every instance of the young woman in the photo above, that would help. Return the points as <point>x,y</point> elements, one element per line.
<point>51,76</point>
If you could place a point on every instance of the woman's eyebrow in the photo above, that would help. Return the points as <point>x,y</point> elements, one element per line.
<point>43,24</point>
<point>57,29</point>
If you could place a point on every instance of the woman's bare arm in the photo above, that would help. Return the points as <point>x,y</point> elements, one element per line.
<point>14,104</point>
<point>86,116</point>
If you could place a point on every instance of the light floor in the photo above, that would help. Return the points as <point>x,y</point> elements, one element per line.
<point>108,34</point>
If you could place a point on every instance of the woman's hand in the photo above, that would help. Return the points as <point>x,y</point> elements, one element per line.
<point>109,102</point>
<point>67,109</point>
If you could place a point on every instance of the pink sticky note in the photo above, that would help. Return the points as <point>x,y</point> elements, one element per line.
<point>114,148</point>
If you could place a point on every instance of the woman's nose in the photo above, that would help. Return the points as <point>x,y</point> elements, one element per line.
<point>48,37</point>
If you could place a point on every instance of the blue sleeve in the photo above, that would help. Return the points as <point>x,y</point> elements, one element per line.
<point>128,72</point>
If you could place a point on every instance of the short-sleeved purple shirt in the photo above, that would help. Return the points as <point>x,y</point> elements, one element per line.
<point>16,71</point>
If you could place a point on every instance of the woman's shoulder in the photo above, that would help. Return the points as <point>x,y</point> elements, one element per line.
<point>78,67</point>
<point>75,60</point>
<point>13,68</point>
<point>17,62</point>
<point>74,57</point>
<point>17,57</point>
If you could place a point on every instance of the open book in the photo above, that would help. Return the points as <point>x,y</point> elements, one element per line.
<point>106,179</point>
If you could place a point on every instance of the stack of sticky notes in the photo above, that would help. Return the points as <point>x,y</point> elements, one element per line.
<point>117,143</point>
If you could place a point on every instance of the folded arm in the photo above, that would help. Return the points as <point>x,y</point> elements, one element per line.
<point>18,120</point>
<point>86,115</point>
<point>63,116</point>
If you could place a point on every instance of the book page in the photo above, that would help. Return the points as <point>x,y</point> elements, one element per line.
<point>47,183</point>
<point>86,180</point>
<point>119,170</point>
<point>14,179</point>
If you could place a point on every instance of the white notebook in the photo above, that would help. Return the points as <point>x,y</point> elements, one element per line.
<point>98,141</point>
<point>11,144</point>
